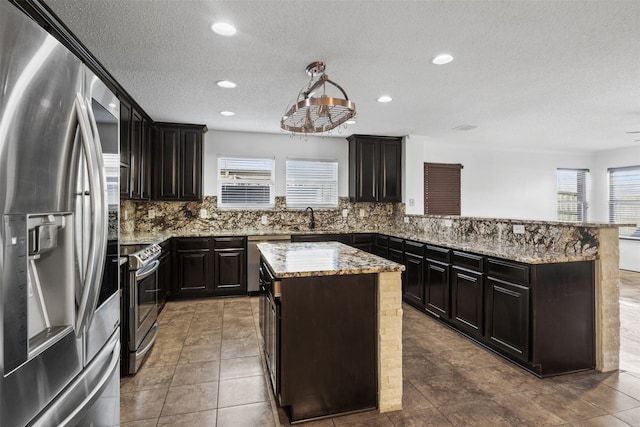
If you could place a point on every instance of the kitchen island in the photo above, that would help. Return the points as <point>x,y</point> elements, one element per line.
<point>331,318</point>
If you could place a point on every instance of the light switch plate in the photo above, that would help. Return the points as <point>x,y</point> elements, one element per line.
<point>151,213</point>
<point>204,214</point>
<point>518,229</point>
<point>345,212</point>
<point>263,220</point>
<point>406,220</point>
<point>448,223</point>
<point>361,213</point>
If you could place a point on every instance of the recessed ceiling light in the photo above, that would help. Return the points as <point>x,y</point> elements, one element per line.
<point>223,29</point>
<point>351,122</point>
<point>385,98</point>
<point>445,58</point>
<point>227,113</point>
<point>226,84</point>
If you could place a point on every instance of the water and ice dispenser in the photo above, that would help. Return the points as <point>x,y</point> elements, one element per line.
<point>38,284</point>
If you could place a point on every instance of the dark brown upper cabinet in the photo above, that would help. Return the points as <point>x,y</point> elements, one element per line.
<point>134,154</point>
<point>177,161</point>
<point>136,163</point>
<point>375,168</point>
<point>145,175</point>
<point>125,149</point>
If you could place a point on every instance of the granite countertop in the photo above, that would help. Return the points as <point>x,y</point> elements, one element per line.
<point>513,252</point>
<point>502,250</point>
<point>322,259</point>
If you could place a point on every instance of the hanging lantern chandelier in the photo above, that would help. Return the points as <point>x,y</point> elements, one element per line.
<point>320,113</point>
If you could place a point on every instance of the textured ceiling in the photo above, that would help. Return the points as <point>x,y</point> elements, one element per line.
<point>547,75</point>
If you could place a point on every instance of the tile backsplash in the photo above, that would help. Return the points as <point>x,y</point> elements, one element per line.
<point>185,217</point>
<point>539,236</point>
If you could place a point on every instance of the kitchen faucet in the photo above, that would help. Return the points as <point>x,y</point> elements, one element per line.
<point>312,224</point>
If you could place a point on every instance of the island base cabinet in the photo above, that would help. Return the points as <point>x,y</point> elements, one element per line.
<point>328,350</point>
<point>563,316</point>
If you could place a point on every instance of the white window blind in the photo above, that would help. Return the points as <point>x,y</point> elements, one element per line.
<point>572,205</point>
<point>312,183</point>
<point>624,199</point>
<point>245,182</point>
<point>112,175</point>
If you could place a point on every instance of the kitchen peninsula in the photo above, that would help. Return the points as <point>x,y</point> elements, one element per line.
<point>331,318</point>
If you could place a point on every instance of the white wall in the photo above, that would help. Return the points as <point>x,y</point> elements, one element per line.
<point>495,183</point>
<point>629,249</point>
<point>271,145</point>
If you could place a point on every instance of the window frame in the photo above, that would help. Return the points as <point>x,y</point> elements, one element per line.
<point>635,186</point>
<point>245,205</point>
<point>334,204</point>
<point>581,203</point>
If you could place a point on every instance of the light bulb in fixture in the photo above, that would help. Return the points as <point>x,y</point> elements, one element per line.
<point>445,58</point>
<point>227,113</point>
<point>223,29</point>
<point>227,84</point>
<point>385,98</point>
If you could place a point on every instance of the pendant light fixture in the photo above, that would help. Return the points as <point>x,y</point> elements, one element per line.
<point>314,110</point>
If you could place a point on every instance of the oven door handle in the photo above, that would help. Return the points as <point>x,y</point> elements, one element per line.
<point>147,271</point>
<point>156,329</point>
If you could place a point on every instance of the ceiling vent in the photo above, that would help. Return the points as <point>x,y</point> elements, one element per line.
<point>464,127</point>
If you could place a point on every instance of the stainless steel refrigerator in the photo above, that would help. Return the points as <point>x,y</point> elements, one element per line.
<point>59,274</point>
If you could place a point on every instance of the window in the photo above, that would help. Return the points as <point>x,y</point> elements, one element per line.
<point>312,183</point>
<point>624,199</point>
<point>442,189</point>
<point>245,182</point>
<point>572,204</point>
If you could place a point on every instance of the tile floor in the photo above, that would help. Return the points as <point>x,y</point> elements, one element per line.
<point>206,370</point>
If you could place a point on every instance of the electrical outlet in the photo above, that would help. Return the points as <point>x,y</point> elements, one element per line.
<point>151,213</point>
<point>406,220</point>
<point>125,215</point>
<point>345,212</point>
<point>518,229</point>
<point>204,214</point>
<point>448,223</point>
<point>361,213</point>
<point>263,220</point>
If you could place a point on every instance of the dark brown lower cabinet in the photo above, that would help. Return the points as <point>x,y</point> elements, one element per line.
<point>467,300</point>
<point>229,271</point>
<point>414,287</point>
<point>436,288</point>
<point>230,266</point>
<point>508,317</point>
<point>206,267</point>
<point>193,264</point>
<point>381,246</point>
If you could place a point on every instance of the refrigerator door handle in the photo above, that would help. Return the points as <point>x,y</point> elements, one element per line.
<point>101,196</point>
<point>91,279</point>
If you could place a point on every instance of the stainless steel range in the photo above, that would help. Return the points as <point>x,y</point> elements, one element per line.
<point>140,304</point>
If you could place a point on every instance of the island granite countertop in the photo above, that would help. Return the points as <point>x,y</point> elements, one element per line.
<point>322,259</point>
